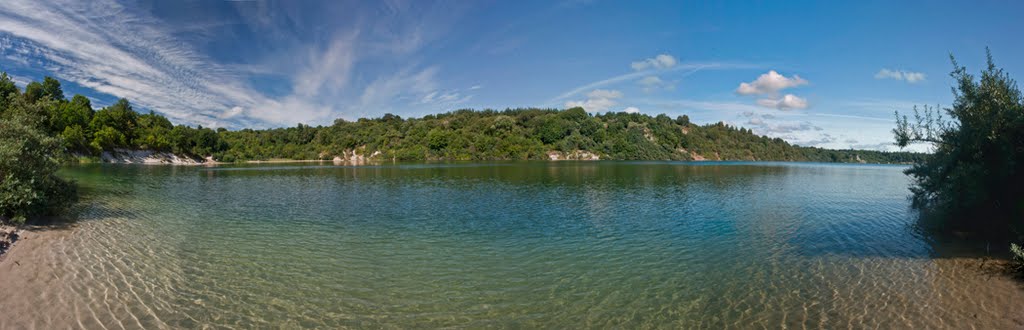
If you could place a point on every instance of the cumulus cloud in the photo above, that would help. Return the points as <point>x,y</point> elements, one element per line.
<point>769,84</point>
<point>908,76</point>
<point>786,102</point>
<point>597,100</point>
<point>663,61</point>
<point>631,110</point>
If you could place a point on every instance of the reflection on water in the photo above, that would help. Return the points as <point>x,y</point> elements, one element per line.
<point>551,245</point>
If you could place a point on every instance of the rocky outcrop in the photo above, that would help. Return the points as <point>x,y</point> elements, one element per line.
<point>357,157</point>
<point>126,156</point>
<point>573,155</point>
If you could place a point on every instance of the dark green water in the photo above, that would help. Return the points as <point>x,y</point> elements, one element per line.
<point>552,245</point>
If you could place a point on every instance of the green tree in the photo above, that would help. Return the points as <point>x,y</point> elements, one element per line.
<point>29,159</point>
<point>77,112</point>
<point>34,91</point>
<point>974,181</point>
<point>51,89</point>
<point>108,138</point>
<point>74,138</point>
<point>120,117</point>
<point>7,90</point>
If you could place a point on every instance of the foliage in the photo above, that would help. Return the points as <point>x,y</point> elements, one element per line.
<point>1017,259</point>
<point>7,90</point>
<point>458,135</point>
<point>975,179</point>
<point>29,185</point>
<point>529,134</point>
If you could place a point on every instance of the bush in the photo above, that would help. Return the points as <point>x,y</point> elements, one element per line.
<point>29,185</point>
<point>1017,259</point>
<point>975,179</point>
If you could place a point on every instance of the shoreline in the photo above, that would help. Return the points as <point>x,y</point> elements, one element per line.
<point>10,235</point>
<point>381,161</point>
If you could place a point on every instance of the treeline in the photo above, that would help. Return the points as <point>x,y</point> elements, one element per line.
<point>531,134</point>
<point>458,135</point>
<point>84,130</point>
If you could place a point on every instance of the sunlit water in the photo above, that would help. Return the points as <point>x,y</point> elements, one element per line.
<point>551,245</point>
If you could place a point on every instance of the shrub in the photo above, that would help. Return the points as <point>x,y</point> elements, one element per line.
<point>975,179</point>
<point>29,185</point>
<point>1017,259</point>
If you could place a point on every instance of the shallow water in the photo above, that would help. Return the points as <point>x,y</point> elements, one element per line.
<point>551,245</point>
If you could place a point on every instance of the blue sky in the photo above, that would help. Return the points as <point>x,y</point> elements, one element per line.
<point>826,74</point>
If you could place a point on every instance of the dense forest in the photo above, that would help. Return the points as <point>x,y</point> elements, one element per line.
<point>530,134</point>
<point>458,135</point>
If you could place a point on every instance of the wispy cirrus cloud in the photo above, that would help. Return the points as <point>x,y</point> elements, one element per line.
<point>122,50</point>
<point>660,62</point>
<point>687,68</point>
<point>908,76</point>
<point>597,100</point>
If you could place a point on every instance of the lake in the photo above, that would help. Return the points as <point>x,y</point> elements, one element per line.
<point>520,245</point>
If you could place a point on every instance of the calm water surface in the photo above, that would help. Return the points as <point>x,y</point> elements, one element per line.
<point>552,245</point>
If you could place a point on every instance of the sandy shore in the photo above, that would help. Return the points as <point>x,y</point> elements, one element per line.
<point>26,268</point>
<point>51,280</point>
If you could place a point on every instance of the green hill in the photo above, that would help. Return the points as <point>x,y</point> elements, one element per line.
<point>511,134</point>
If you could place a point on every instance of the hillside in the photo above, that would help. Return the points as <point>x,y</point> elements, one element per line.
<point>513,134</point>
<point>530,134</point>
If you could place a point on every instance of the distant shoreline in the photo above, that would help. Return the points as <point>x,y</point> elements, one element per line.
<point>378,162</point>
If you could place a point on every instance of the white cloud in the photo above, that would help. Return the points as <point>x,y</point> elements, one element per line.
<point>444,98</point>
<point>663,61</point>
<point>770,84</point>
<point>908,76</point>
<point>690,67</point>
<point>231,113</point>
<point>790,130</point>
<point>407,85</point>
<point>653,83</point>
<point>787,102</point>
<point>122,50</point>
<point>597,100</point>
<point>631,110</point>
<point>605,94</point>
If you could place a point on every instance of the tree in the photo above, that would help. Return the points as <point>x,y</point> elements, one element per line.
<point>975,179</point>
<point>29,159</point>
<point>51,89</point>
<point>120,117</point>
<point>34,91</point>
<point>74,138</point>
<point>66,114</point>
<point>108,138</point>
<point>7,88</point>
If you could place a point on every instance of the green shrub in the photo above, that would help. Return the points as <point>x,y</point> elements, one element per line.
<point>1017,259</point>
<point>975,179</point>
<point>29,185</point>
